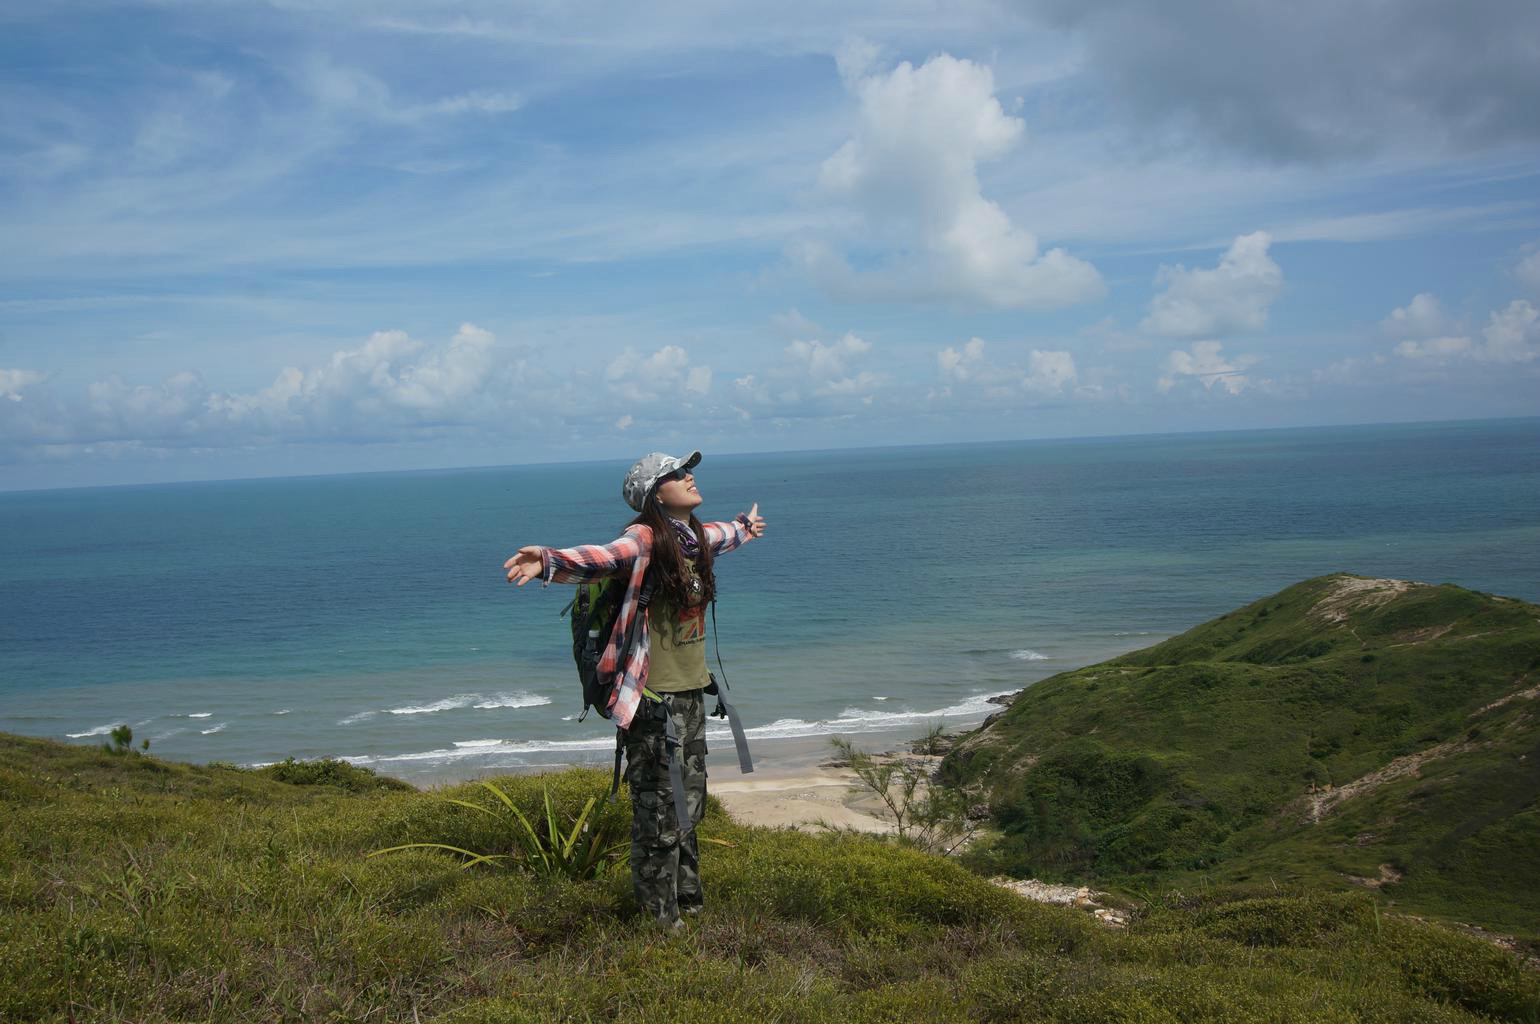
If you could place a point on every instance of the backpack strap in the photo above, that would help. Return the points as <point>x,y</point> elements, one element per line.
<point>620,752</point>
<point>675,770</point>
<point>724,709</point>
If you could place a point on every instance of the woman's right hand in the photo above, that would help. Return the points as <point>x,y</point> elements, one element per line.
<point>524,566</point>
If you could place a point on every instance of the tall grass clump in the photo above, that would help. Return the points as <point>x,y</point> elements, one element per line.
<point>583,847</point>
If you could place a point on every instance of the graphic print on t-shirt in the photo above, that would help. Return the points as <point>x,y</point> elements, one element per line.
<point>687,627</point>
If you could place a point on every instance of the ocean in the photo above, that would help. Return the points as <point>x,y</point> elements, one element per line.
<point>367,617</point>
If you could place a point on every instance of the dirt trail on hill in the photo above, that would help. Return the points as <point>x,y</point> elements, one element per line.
<point>1316,806</point>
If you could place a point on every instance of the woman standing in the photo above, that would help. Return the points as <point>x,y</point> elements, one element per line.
<point>660,678</point>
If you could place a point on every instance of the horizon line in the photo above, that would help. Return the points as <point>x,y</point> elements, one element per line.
<point>779,451</point>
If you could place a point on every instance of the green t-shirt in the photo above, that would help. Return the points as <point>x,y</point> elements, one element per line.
<point>677,644</point>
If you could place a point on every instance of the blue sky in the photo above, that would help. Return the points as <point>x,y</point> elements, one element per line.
<point>248,239</point>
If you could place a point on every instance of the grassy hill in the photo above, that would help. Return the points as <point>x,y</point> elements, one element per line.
<point>140,890</point>
<point>1345,732</point>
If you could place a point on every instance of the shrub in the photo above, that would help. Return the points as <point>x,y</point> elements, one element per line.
<point>328,771</point>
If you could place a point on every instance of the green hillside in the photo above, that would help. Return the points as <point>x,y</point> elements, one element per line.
<point>1344,732</point>
<point>139,890</point>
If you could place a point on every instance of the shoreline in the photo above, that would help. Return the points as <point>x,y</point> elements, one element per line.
<point>792,785</point>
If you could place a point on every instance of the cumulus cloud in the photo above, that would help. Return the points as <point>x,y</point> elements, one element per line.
<point>14,382</point>
<point>1204,361</point>
<point>963,364</point>
<point>1427,334</point>
<point>966,372</point>
<point>813,378</point>
<point>1315,79</point>
<point>1434,349</point>
<point>1511,336</point>
<point>665,377</point>
<point>1423,317</point>
<point>911,168</point>
<point>1048,372</point>
<point>1232,296</point>
<point>389,388</point>
<point>1527,270</point>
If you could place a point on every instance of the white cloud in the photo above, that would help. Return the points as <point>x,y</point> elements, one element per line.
<point>1048,372</point>
<point>1438,350</point>
<point>1203,361</point>
<point>1423,317</point>
<point>854,57</point>
<point>911,168</point>
<point>813,378</point>
<point>1527,270</point>
<point>1233,296</point>
<point>966,373</point>
<point>1427,334</point>
<point>624,423</point>
<point>665,377</point>
<point>14,382</point>
<point>392,379</point>
<point>389,388</point>
<point>828,367</point>
<point>964,364</point>
<point>343,88</point>
<point>1512,334</point>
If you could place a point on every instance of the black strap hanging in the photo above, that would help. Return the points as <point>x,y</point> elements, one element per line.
<point>723,708</point>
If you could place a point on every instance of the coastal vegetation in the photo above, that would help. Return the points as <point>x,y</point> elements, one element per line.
<point>1346,733</point>
<point>141,890</point>
<point>1281,800</point>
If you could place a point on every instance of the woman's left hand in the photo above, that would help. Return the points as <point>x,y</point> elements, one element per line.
<point>756,522</point>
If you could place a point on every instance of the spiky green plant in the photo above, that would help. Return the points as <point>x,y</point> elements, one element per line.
<point>545,847</point>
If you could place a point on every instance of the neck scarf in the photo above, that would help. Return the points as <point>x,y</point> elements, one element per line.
<point>689,544</point>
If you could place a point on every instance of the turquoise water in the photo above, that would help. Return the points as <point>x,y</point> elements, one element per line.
<point>367,616</point>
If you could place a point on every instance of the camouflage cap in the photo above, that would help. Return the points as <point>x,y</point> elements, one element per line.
<point>648,470</point>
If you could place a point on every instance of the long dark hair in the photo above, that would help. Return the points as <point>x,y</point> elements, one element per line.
<point>673,577</point>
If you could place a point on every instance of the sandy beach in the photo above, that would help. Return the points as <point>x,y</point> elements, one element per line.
<point>792,785</point>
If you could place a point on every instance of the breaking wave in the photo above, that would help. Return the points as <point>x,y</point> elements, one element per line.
<point>514,753</point>
<point>100,730</point>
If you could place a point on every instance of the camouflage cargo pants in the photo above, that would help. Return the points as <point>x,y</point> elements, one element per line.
<point>665,868</point>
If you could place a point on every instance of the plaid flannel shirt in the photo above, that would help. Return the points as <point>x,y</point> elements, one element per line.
<point>630,553</point>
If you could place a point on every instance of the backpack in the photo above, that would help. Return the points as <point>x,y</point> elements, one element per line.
<point>593,611</point>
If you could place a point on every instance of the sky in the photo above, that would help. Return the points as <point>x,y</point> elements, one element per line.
<point>249,239</point>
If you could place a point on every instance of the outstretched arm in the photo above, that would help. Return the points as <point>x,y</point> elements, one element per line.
<point>735,532</point>
<point>582,564</point>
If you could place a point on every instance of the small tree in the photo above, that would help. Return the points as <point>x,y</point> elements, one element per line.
<point>936,741</point>
<point>932,818</point>
<point>121,741</point>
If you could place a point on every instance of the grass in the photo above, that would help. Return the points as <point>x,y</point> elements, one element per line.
<point>1190,762</point>
<point>140,890</point>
